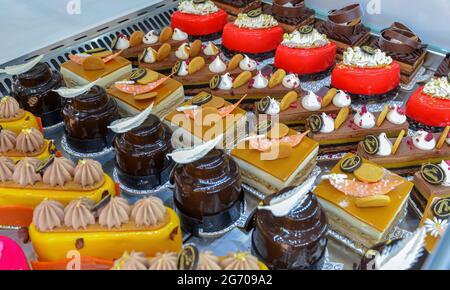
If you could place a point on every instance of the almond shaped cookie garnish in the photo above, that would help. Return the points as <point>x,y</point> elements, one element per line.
<point>277,78</point>
<point>166,34</point>
<point>443,138</point>
<point>369,173</point>
<point>382,115</point>
<point>196,48</point>
<point>341,117</point>
<point>149,77</point>
<point>278,131</point>
<point>398,142</point>
<point>145,97</point>
<point>136,38</point>
<point>93,63</point>
<point>243,78</point>
<point>288,100</point>
<point>373,201</point>
<point>163,52</point>
<point>328,98</point>
<point>196,64</point>
<point>216,102</point>
<point>234,62</point>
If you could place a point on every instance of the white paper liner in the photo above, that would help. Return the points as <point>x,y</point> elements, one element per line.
<point>137,192</point>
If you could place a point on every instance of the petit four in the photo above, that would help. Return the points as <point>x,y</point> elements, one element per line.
<point>208,194</point>
<point>291,230</point>
<point>142,87</point>
<point>435,217</point>
<point>345,131</point>
<point>344,27</point>
<point>367,74</point>
<point>236,7</point>
<point>404,155</point>
<point>25,184</point>
<point>86,120</point>
<point>200,19</point>
<point>307,53</point>
<point>277,157</point>
<point>33,85</point>
<point>363,201</point>
<point>253,33</point>
<point>428,108</point>
<point>444,68</point>
<point>104,230</point>
<point>12,257</point>
<point>292,14</point>
<point>14,118</point>
<point>103,68</point>
<point>204,117</point>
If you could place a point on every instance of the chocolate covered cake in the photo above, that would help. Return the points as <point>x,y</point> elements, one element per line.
<point>444,68</point>
<point>292,14</point>
<point>34,91</point>
<point>86,119</point>
<point>141,155</point>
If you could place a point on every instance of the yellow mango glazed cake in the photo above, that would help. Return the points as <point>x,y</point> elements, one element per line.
<point>104,230</point>
<point>23,185</point>
<point>14,118</point>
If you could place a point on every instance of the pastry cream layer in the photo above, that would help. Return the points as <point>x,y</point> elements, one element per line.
<point>25,121</point>
<point>41,155</point>
<point>54,246</point>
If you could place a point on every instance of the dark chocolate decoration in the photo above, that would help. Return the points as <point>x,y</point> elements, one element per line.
<point>201,99</point>
<point>173,233</point>
<point>96,50</point>
<point>138,74</point>
<point>176,67</point>
<point>432,173</point>
<point>441,208</point>
<point>255,12</point>
<point>371,144</point>
<point>188,258</point>
<point>143,55</point>
<point>306,29</point>
<point>45,163</point>
<point>104,201</point>
<point>349,165</point>
<point>214,82</point>
<point>114,42</point>
<point>79,244</point>
<point>263,105</point>
<point>263,127</point>
<point>315,123</point>
<point>369,50</point>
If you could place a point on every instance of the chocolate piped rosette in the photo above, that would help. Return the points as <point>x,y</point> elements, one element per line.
<point>105,229</point>
<point>14,118</point>
<point>405,154</point>
<point>307,53</point>
<point>295,110</point>
<point>362,200</point>
<point>143,87</point>
<point>367,74</point>
<point>23,185</point>
<point>275,157</point>
<point>98,65</point>
<point>292,14</point>
<point>291,229</point>
<point>138,41</point>
<point>344,28</point>
<point>343,133</point>
<point>428,108</point>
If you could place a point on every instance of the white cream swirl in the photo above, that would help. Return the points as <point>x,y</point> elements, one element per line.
<point>445,165</point>
<point>311,102</point>
<point>149,55</point>
<point>211,49</point>
<point>424,140</point>
<point>262,21</point>
<point>183,71</point>
<point>226,82</point>
<point>183,51</point>
<point>439,88</point>
<point>217,66</point>
<point>357,57</point>
<point>248,64</point>
<point>396,115</point>
<point>179,35</point>
<point>150,37</point>
<point>385,148</point>
<point>300,40</point>
<point>189,7</point>
<point>291,81</point>
<point>328,124</point>
<point>341,99</point>
<point>259,81</point>
<point>274,107</point>
<point>122,42</point>
<point>364,119</point>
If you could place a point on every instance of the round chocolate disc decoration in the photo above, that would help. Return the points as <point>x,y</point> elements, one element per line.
<point>315,123</point>
<point>350,164</point>
<point>214,82</point>
<point>263,105</point>
<point>306,29</point>
<point>432,173</point>
<point>138,74</point>
<point>201,99</point>
<point>368,50</point>
<point>176,67</point>
<point>45,163</point>
<point>188,258</point>
<point>371,144</point>
<point>441,208</point>
<point>263,127</point>
<point>255,13</point>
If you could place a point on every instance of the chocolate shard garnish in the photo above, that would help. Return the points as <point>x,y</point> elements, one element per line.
<point>189,155</point>
<point>188,258</point>
<point>371,144</point>
<point>99,205</point>
<point>349,165</point>
<point>432,173</point>
<point>40,168</point>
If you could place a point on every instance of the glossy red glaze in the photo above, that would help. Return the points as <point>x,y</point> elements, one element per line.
<point>428,110</point>
<point>251,40</point>
<point>366,81</point>
<point>199,25</point>
<point>305,60</point>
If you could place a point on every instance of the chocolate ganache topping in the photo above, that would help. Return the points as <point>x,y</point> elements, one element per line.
<point>25,172</point>
<point>86,119</point>
<point>9,108</point>
<point>48,215</point>
<point>29,140</point>
<point>88,172</point>
<point>6,169</point>
<point>115,213</point>
<point>7,140</point>
<point>141,154</point>
<point>78,214</point>
<point>149,211</point>
<point>164,261</point>
<point>58,172</point>
<point>34,91</point>
<point>294,241</point>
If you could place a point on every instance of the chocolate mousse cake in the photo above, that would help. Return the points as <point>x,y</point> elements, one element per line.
<point>295,240</point>
<point>208,193</point>
<point>141,160</point>
<point>344,27</point>
<point>292,14</point>
<point>86,119</point>
<point>444,68</point>
<point>34,91</point>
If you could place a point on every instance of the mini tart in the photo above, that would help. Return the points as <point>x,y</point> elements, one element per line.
<point>97,241</point>
<point>169,95</point>
<point>75,74</point>
<point>365,226</point>
<point>200,25</point>
<point>269,177</point>
<point>41,154</point>
<point>306,61</point>
<point>13,258</point>
<point>23,120</point>
<point>425,110</point>
<point>367,84</point>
